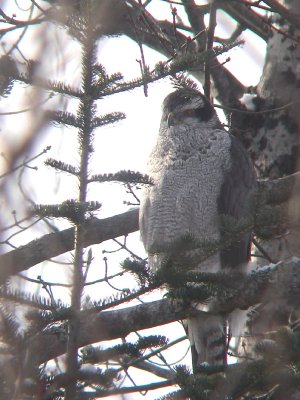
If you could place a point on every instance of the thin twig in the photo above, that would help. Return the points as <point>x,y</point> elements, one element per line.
<point>15,45</point>
<point>25,163</point>
<point>256,4</point>
<point>29,108</point>
<point>204,7</point>
<point>209,46</point>
<point>142,62</point>
<point>263,252</point>
<point>130,191</point>
<point>154,352</point>
<point>284,33</point>
<point>270,110</point>
<point>124,247</point>
<point>174,14</point>
<point>126,390</point>
<point>13,21</point>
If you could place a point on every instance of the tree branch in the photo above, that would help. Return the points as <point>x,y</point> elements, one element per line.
<point>125,390</point>
<point>108,325</point>
<point>284,12</point>
<point>270,192</point>
<point>281,281</point>
<point>54,244</point>
<point>156,370</point>
<point>228,88</point>
<point>115,19</point>
<point>280,190</point>
<point>247,18</point>
<point>209,45</point>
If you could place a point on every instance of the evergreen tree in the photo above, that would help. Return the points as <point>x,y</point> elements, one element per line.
<point>37,329</point>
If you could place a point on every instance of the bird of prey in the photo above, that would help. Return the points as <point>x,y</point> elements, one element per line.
<point>200,172</point>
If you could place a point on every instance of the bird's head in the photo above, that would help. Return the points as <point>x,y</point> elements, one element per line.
<point>188,106</point>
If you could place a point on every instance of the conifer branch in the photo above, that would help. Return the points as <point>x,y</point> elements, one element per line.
<point>110,118</point>
<point>73,210</point>
<point>123,176</point>
<point>53,86</point>
<point>85,115</point>
<point>63,118</point>
<point>108,325</point>
<point>61,166</point>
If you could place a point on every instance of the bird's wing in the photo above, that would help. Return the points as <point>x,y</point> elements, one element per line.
<point>239,182</point>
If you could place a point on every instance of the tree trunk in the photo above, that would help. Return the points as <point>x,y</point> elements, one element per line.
<point>273,140</point>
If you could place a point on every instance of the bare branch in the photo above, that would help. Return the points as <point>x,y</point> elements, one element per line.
<point>154,369</point>
<point>229,89</point>
<point>209,46</point>
<point>247,18</point>
<point>126,390</point>
<point>54,244</point>
<point>196,19</point>
<point>284,12</point>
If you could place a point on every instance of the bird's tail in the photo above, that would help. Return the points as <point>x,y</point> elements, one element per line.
<point>207,334</point>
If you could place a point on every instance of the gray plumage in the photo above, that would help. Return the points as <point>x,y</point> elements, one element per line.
<point>199,172</point>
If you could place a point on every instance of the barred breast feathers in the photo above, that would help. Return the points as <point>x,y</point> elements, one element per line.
<point>187,177</point>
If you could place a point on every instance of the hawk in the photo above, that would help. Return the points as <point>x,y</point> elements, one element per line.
<point>200,172</point>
